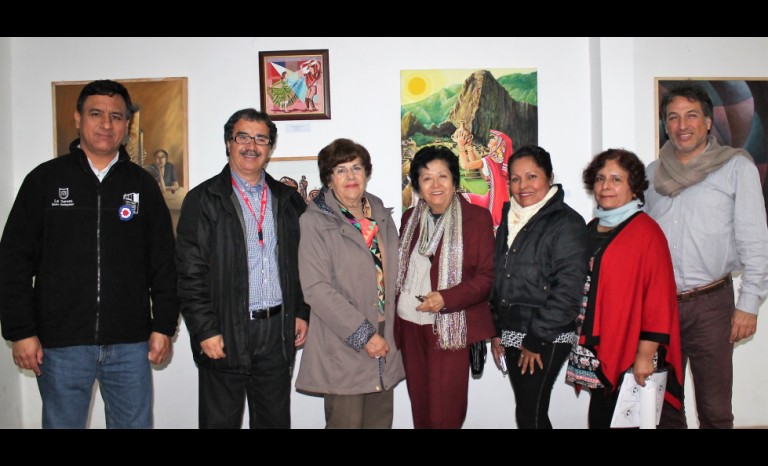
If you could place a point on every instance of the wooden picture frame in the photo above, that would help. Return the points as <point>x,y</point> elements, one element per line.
<point>295,84</point>
<point>159,123</point>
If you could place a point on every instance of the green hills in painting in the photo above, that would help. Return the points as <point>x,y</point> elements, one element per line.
<point>435,109</point>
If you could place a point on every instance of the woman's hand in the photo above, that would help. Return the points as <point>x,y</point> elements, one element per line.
<point>528,360</point>
<point>377,347</point>
<point>497,351</point>
<point>643,366</point>
<point>433,302</point>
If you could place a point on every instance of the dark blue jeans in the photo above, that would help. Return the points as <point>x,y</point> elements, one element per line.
<point>125,381</point>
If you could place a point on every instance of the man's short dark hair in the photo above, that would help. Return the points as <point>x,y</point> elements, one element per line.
<point>250,114</point>
<point>693,93</point>
<point>109,88</point>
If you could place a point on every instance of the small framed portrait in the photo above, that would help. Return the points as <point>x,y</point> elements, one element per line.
<point>295,84</point>
<point>298,172</point>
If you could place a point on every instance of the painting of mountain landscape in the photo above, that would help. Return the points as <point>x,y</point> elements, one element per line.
<point>481,115</point>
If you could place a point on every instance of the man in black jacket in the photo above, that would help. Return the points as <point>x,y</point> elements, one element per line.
<point>237,256</point>
<point>87,245</point>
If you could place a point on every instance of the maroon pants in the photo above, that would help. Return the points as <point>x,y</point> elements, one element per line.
<point>437,379</point>
<point>705,326</point>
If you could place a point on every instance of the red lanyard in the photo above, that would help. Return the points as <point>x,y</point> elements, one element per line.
<point>263,210</point>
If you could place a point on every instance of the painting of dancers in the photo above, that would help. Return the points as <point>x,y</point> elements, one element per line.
<point>295,84</point>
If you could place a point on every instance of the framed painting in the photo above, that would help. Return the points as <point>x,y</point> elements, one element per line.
<point>295,84</point>
<point>479,114</point>
<point>299,172</point>
<point>157,138</point>
<point>740,115</point>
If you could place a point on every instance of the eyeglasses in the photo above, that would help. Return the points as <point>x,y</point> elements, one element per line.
<point>244,139</point>
<point>341,172</point>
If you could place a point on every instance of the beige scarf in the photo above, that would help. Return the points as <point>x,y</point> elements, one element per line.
<point>519,215</point>
<point>672,176</point>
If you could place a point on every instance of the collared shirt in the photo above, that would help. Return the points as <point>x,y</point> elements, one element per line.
<point>101,174</point>
<point>716,227</point>
<point>263,274</point>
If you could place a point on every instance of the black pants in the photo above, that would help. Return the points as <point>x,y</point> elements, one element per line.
<point>602,405</point>
<point>533,391</point>
<point>267,387</point>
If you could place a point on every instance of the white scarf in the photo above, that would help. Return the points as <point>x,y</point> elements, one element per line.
<point>519,216</point>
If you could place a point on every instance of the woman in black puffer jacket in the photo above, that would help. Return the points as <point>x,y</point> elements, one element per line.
<point>541,266</point>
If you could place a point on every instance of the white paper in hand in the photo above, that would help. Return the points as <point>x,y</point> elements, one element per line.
<point>629,407</point>
<point>648,396</point>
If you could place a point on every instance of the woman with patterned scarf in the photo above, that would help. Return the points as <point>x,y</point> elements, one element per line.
<point>348,267</point>
<point>541,254</point>
<point>445,275</point>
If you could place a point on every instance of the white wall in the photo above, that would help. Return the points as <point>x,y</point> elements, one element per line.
<point>10,385</point>
<point>365,98</point>
<point>617,82</point>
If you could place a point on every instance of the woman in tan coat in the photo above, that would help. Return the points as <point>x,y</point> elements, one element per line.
<point>348,267</point>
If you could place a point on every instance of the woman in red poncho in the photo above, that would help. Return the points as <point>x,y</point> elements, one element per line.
<point>629,319</point>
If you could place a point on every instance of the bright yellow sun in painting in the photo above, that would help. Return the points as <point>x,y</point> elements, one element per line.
<point>417,85</point>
